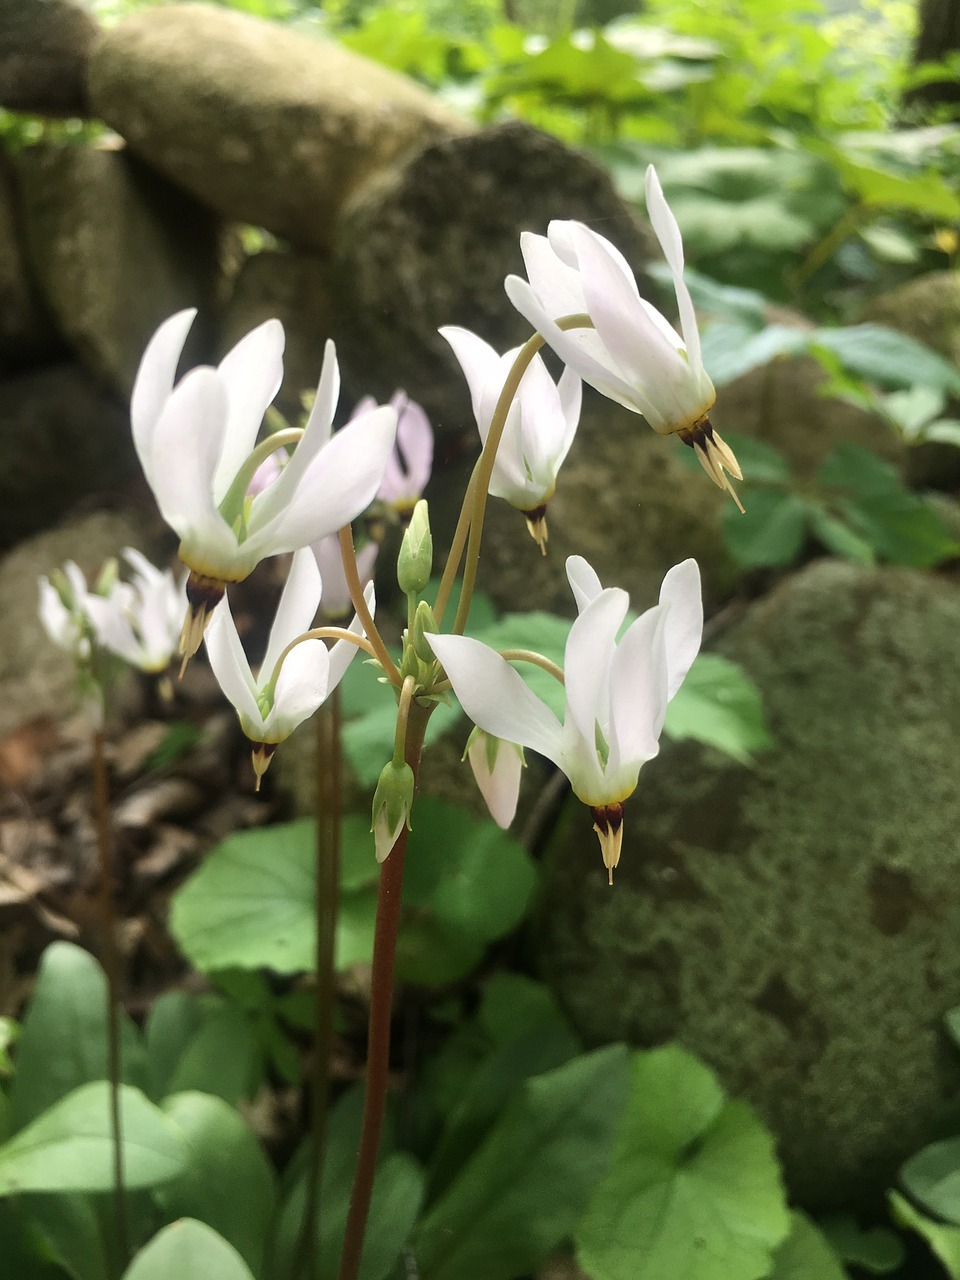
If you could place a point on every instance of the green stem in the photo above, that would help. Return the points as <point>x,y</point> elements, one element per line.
<point>537,659</point>
<point>108,947</point>
<point>326,907</point>
<point>355,587</point>
<point>381,1005</point>
<point>451,568</point>
<point>825,248</point>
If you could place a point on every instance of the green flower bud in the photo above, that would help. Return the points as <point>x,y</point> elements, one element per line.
<point>415,562</point>
<point>424,624</point>
<point>392,803</point>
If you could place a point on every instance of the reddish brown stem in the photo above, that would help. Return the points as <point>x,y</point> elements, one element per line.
<point>109,959</point>
<point>381,1007</point>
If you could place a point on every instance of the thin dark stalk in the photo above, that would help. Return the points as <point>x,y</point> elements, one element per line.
<point>381,1007</point>
<point>327,903</point>
<point>109,958</point>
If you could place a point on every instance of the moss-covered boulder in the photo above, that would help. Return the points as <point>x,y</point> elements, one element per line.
<point>796,923</point>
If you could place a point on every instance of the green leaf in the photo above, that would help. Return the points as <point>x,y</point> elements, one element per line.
<point>693,1191</point>
<point>806,1254</point>
<point>932,1179</point>
<point>874,1249</point>
<point>227,1182</point>
<point>859,470</point>
<point>839,537</point>
<point>943,431</point>
<point>20,1248</point>
<point>530,1179</point>
<point>70,1146</point>
<point>760,462</point>
<point>902,529</point>
<point>188,1250</point>
<point>718,704</point>
<point>219,1058</point>
<point>911,410</point>
<point>771,533</point>
<point>71,1227</point>
<point>731,348</point>
<point>943,1238</point>
<point>467,883</point>
<point>63,1043</point>
<point>546,633</point>
<point>887,357</point>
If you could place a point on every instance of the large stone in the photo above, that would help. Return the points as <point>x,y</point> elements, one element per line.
<point>295,288</point>
<point>268,125</point>
<point>45,47</point>
<point>63,440</point>
<point>27,331</point>
<point>796,923</point>
<point>36,678</point>
<point>115,249</point>
<point>429,242</point>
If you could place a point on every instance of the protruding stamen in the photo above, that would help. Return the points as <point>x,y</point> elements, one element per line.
<point>203,596</point>
<point>261,756</point>
<point>715,455</point>
<point>537,525</point>
<point>608,824</point>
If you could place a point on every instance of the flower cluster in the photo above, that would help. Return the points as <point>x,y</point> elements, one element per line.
<point>234,499</point>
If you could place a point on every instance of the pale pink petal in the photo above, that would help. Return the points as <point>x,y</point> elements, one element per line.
<point>154,382</point>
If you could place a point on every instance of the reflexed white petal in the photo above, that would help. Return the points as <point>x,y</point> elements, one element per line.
<point>584,582</point>
<point>296,609</point>
<point>343,652</point>
<point>495,697</point>
<point>570,390</point>
<point>638,691</point>
<point>340,483</point>
<point>301,687</point>
<point>586,663</point>
<point>668,233</point>
<point>251,373</point>
<point>229,664</point>
<point>113,630</point>
<point>480,365</point>
<point>553,276</point>
<point>683,625</point>
<point>500,787</point>
<point>154,382</point>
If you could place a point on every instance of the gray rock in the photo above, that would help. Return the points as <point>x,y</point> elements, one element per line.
<point>61,440</point>
<point>295,288</point>
<point>265,124</point>
<point>795,923</point>
<point>115,249</point>
<point>45,48</point>
<point>36,678</point>
<point>27,331</point>
<point>429,242</point>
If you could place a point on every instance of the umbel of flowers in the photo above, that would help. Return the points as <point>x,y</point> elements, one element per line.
<point>235,497</point>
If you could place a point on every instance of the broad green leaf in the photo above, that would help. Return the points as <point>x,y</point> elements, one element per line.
<point>771,533</point>
<point>63,1043</point>
<point>839,537</point>
<point>71,1227</point>
<point>70,1146</point>
<point>724,300</point>
<point>932,1179</point>
<point>806,1254</point>
<point>219,1058</point>
<point>860,471</point>
<point>902,528</point>
<point>913,408</point>
<point>188,1250</point>
<point>513,1004</point>
<point>227,1182</point>
<point>943,1238</point>
<point>693,1191</point>
<point>20,1248</point>
<point>532,1176</point>
<point>545,633</point>
<point>731,349</point>
<point>878,1250</point>
<point>172,1022</point>
<point>720,705</point>
<point>887,357</point>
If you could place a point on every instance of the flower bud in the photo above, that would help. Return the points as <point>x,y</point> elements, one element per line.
<point>415,561</point>
<point>392,803</point>
<point>496,766</point>
<point>424,624</point>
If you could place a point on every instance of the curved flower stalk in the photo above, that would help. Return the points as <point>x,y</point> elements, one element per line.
<point>196,441</point>
<point>540,426</point>
<point>294,679</point>
<point>141,621</point>
<point>616,692</point>
<point>632,354</point>
<point>411,460</point>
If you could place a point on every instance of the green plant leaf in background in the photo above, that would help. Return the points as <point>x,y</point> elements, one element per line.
<point>530,1179</point>
<point>693,1191</point>
<point>228,1183</point>
<point>876,1249</point>
<point>718,704</point>
<point>198,1043</point>
<point>771,533</point>
<point>943,1238</point>
<point>70,1146</point>
<point>188,1250</point>
<point>932,1180</point>
<point>63,1043</point>
<point>806,1254</point>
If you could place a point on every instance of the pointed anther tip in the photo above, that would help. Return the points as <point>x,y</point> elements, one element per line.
<point>715,456</point>
<point>608,824</point>
<point>260,757</point>
<point>203,596</point>
<point>537,526</point>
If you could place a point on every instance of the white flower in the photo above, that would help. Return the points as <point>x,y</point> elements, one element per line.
<point>632,354</point>
<point>272,704</point>
<point>616,693</point>
<point>141,621</point>
<point>63,613</point>
<point>541,423</point>
<point>496,766</point>
<point>196,443</point>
